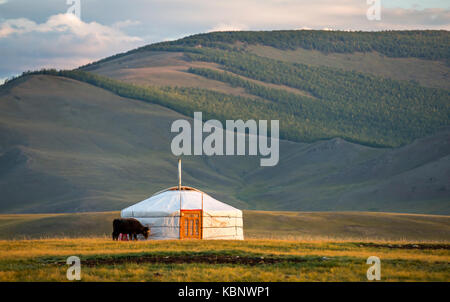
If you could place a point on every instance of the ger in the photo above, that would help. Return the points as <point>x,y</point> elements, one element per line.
<point>213,143</point>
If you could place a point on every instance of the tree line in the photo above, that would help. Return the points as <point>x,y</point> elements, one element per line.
<point>426,44</point>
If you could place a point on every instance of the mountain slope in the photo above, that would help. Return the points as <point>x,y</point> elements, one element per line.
<point>69,146</point>
<point>420,56</point>
<point>314,100</point>
<point>425,72</point>
<point>334,174</point>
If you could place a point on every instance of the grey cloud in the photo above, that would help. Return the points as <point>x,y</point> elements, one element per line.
<point>63,41</point>
<point>158,20</point>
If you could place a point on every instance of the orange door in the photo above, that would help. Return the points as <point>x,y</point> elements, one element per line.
<point>191,224</point>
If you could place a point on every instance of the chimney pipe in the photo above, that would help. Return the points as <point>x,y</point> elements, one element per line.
<point>179,174</point>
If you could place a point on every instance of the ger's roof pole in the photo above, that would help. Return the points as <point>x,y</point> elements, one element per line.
<point>179,174</point>
<point>179,192</point>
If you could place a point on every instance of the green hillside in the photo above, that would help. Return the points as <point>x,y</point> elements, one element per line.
<point>427,73</point>
<point>427,44</point>
<point>98,138</point>
<point>333,102</point>
<point>389,114</point>
<point>69,146</point>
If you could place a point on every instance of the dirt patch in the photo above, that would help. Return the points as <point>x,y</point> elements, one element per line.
<point>178,259</point>
<point>423,246</point>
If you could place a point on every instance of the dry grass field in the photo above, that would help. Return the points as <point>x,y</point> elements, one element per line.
<point>249,260</point>
<point>279,246</point>
<point>257,225</point>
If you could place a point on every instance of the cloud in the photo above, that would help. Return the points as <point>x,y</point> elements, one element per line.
<point>66,24</point>
<point>126,23</point>
<point>410,19</point>
<point>179,16</point>
<point>3,1</point>
<point>228,27</point>
<point>63,41</point>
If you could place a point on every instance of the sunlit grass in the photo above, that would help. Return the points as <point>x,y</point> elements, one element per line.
<point>338,260</point>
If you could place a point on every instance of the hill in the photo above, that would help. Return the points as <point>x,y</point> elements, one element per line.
<point>315,98</point>
<point>257,225</point>
<point>69,146</point>
<point>358,136</point>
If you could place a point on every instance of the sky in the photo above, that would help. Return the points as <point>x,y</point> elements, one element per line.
<point>38,34</point>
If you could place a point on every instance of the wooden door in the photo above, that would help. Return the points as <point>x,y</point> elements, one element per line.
<point>191,224</point>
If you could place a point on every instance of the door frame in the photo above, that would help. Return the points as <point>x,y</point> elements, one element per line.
<point>200,221</point>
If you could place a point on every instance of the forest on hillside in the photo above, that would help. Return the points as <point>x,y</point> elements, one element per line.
<point>426,44</point>
<point>362,106</point>
<point>358,107</point>
<point>375,120</point>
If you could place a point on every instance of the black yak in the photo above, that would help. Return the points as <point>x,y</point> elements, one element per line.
<point>129,226</point>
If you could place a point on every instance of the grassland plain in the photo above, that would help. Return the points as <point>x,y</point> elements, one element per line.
<point>257,225</point>
<point>249,260</point>
<point>279,246</point>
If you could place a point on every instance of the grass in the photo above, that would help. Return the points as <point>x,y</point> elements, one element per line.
<point>257,225</point>
<point>160,68</point>
<point>304,260</point>
<point>346,225</point>
<point>279,246</point>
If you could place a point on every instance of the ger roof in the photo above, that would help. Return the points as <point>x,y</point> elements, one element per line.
<point>169,201</point>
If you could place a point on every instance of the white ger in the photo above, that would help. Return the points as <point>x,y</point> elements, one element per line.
<point>187,213</point>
